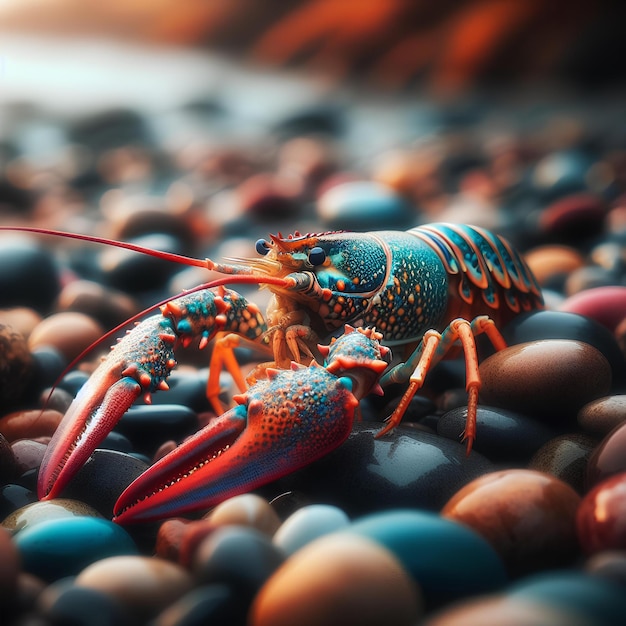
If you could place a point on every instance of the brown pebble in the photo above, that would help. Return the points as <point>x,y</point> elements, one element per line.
<point>29,424</point>
<point>608,457</point>
<point>565,457</point>
<point>527,516</point>
<point>246,510</point>
<point>169,537</point>
<point>164,449</point>
<point>45,510</point>
<point>68,332</point>
<point>550,261</point>
<point>22,319</point>
<point>553,377</point>
<point>144,585</point>
<point>16,366</point>
<point>610,564</point>
<point>601,416</point>
<point>338,580</point>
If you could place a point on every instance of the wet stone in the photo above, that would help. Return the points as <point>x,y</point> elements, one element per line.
<point>565,457</point>
<point>599,417</point>
<point>606,305</point>
<point>527,516</point>
<point>102,479</point>
<point>14,497</point>
<point>608,457</point>
<point>445,558</point>
<point>87,607</point>
<point>246,510</point>
<point>29,424</point>
<point>148,426</point>
<point>56,548</point>
<point>502,436</point>
<point>406,468</point>
<point>549,379</point>
<point>35,513</point>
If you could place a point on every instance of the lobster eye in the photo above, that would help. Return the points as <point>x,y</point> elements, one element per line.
<point>262,247</point>
<point>317,256</point>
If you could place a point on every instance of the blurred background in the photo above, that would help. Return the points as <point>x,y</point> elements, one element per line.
<point>449,103</point>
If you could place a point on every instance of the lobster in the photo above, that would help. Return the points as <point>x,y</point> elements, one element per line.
<point>428,289</point>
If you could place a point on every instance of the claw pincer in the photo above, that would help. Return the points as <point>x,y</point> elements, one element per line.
<point>138,365</point>
<point>281,424</point>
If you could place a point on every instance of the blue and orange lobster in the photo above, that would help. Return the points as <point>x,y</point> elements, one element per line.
<point>435,287</point>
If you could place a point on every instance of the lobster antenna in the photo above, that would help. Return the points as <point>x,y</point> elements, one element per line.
<point>250,280</point>
<point>159,254</point>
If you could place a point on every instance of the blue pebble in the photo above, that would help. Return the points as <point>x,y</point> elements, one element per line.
<point>448,560</point>
<point>64,547</point>
<point>600,600</point>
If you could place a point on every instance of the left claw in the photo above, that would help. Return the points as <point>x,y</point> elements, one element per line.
<point>105,397</point>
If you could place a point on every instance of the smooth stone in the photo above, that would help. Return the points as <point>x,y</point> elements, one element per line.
<point>362,206</point>
<point>14,497</point>
<point>108,307</point>
<point>585,278</point>
<point>38,512</point>
<point>498,609</point>
<point>9,569</point>
<point>30,424</point>
<point>551,262</point>
<point>217,605</point>
<point>601,416</point>
<point>565,457</point>
<point>187,388</point>
<point>447,560</point>
<point>116,441</point>
<point>74,381</point>
<point>601,518</point>
<point>573,217</point>
<point>29,275</point>
<point>267,196</point>
<point>169,538</point>
<point>136,273</point>
<point>561,173</point>
<point>609,564</point>
<point>148,426</point>
<point>307,524</point>
<point>9,467</point>
<point>144,586</point>
<point>79,606</point>
<point>28,454</point>
<point>606,305</point>
<point>63,547</point>
<point>48,366</point>
<point>549,379</point>
<point>338,580</point>
<point>527,516</point>
<point>501,435</point>
<point>608,457</point>
<point>539,325</point>
<point>408,468</point>
<point>239,556</point>
<point>247,509</point>
<point>16,366</point>
<point>68,332</point>
<point>102,479</point>
<point>591,598</point>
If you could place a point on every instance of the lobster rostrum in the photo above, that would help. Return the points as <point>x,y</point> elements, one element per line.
<point>428,290</point>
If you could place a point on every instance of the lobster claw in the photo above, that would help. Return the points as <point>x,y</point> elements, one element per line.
<point>282,424</point>
<point>138,364</point>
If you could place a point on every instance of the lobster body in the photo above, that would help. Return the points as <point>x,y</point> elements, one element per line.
<point>403,283</point>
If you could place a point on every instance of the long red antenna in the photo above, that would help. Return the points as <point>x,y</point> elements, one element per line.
<point>159,254</point>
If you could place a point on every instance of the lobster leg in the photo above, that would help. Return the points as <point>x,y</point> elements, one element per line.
<point>434,347</point>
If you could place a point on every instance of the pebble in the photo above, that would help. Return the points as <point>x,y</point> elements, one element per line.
<point>608,457</point>
<point>551,262</point>
<point>143,585</point>
<point>37,512</point>
<point>566,457</point>
<point>87,607</point>
<point>28,454</point>
<point>601,518</point>
<point>247,509</point>
<point>30,424</point>
<point>16,366</point>
<point>599,417</point>
<point>10,566</point>
<point>342,580</point>
<point>409,468</point>
<point>550,379</point>
<point>447,559</point>
<point>307,524</point>
<point>502,435</point>
<point>527,516</point>
<point>606,305</point>
<point>56,548</point>
<point>68,332</point>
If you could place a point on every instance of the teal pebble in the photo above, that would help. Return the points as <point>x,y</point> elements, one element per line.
<point>601,601</point>
<point>64,547</point>
<point>448,561</point>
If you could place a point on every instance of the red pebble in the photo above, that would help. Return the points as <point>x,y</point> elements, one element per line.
<point>601,517</point>
<point>606,305</point>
